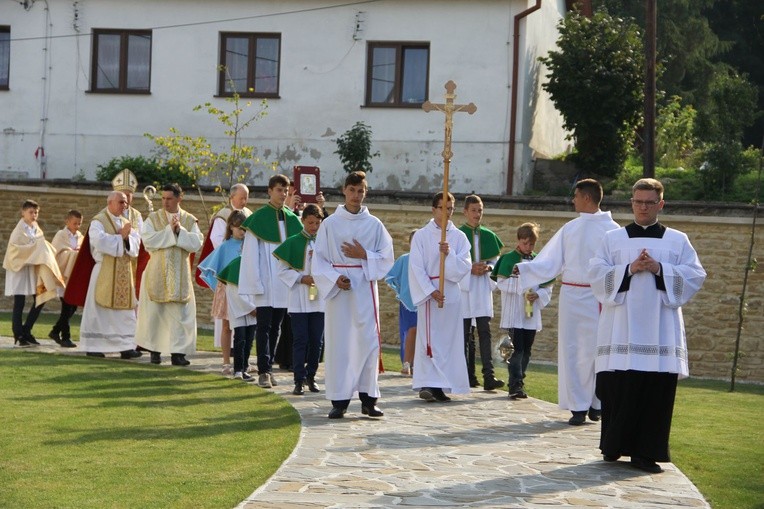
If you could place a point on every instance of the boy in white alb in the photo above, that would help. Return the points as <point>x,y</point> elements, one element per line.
<point>353,251</point>
<point>439,355</point>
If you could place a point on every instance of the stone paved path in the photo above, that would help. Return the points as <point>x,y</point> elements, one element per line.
<point>480,450</point>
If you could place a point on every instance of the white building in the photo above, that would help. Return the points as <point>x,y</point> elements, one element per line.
<point>82,81</point>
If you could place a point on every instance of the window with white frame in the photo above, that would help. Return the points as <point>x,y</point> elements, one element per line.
<point>249,64</point>
<point>397,74</point>
<point>121,61</point>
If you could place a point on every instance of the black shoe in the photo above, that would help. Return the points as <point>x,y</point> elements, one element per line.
<point>312,385</point>
<point>337,413</point>
<point>372,411</point>
<point>95,354</point>
<point>298,390</point>
<point>440,395</point>
<point>31,339</point>
<point>130,354</point>
<point>578,418</point>
<point>516,392</point>
<point>156,358</point>
<point>474,383</point>
<point>55,335</point>
<point>610,458</point>
<point>139,348</point>
<point>645,465</point>
<point>179,359</point>
<point>595,414</point>
<point>492,383</point>
<point>65,343</point>
<point>22,343</point>
<point>427,394</point>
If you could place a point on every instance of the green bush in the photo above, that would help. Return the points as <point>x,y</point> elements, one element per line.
<point>146,170</point>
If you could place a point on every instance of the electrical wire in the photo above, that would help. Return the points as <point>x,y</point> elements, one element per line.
<point>212,22</point>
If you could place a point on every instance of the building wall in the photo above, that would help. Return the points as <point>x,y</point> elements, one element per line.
<point>321,88</point>
<point>710,318</point>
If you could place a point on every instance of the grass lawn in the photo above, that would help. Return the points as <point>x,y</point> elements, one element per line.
<point>82,432</point>
<point>90,433</point>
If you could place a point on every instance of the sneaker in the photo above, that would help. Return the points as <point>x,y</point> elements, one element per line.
<point>406,369</point>
<point>491,383</point>
<point>264,381</point>
<point>227,369</point>
<point>273,380</point>
<point>237,375</point>
<point>298,390</point>
<point>247,377</point>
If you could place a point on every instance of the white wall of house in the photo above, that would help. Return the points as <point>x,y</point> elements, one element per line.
<point>322,86</point>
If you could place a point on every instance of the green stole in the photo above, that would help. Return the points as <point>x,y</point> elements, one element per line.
<point>230,274</point>
<point>264,223</point>
<point>490,243</point>
<point>508,261</point>
<point>294,250</point>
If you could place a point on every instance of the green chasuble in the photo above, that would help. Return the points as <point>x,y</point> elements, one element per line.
<point>490,243</point>
<point>294,250</point>
<point>508,261</point>
<point>264,223</point>
<point>230,274</point>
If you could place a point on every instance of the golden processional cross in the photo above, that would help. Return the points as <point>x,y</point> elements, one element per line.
<point>449,108</point>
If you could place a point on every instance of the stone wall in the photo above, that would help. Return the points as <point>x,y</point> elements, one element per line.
<point>711,319</point>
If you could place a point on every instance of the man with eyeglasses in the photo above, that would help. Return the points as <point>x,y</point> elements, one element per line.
<point>567,254</point>
<point>642,274</point>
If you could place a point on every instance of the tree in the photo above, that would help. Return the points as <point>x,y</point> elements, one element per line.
<point>195,156</point>
<point>686,45</point>
<point>731,108</point>
<point>596,83</point>
<point>674,132</point>
<point>354,148</point>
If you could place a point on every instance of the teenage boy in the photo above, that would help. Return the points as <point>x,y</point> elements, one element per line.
<point>439,356</point>
<point>267,228</point>
<point>306,310</point>
<point>66,242</point>
<point>30,269</point>
<point>567,254</point>
<point>353,251</point>
<point>477,292</point>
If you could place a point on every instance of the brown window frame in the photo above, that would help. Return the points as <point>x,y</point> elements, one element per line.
<point>399,47</point>
<point>252,58</point>
<point>124,34</point>
<point>7,70</point>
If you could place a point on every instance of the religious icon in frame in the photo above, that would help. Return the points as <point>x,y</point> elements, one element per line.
<point>307,183</point>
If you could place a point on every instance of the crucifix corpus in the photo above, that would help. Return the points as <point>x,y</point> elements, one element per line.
<point>449,108</point>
